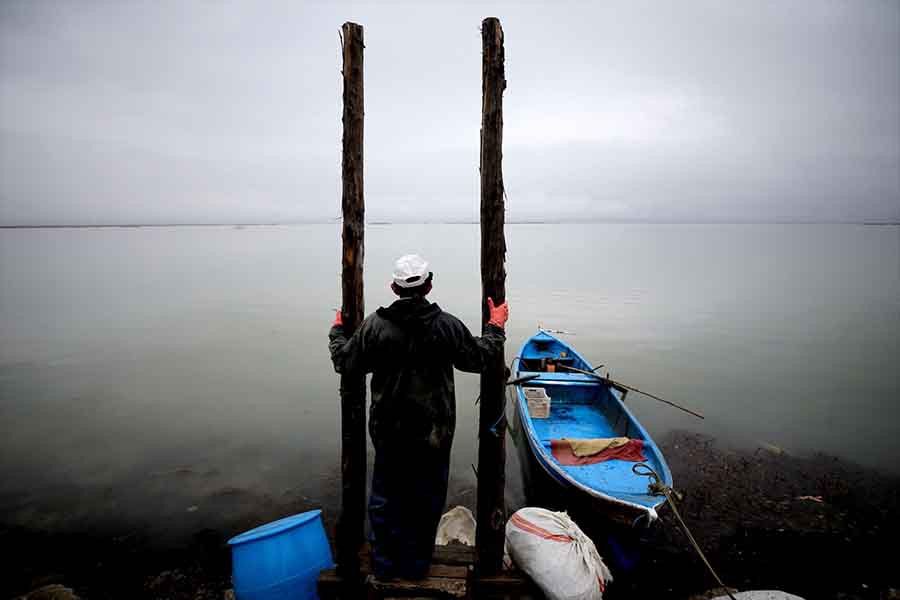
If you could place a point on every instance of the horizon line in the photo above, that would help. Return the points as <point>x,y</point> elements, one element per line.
<point>379,222</point>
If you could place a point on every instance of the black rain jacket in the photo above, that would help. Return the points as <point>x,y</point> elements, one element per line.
<point>411,348</point>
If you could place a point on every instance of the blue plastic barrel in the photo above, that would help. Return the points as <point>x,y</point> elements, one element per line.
<point>280,560</point>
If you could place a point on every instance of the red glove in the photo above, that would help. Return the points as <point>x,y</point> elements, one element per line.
<point>338,319</point>
<point>499,314</point>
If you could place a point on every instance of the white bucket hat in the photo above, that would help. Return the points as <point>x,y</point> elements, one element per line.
<point>410,270</point>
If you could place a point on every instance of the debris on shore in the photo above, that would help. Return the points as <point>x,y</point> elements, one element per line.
<point>814,526</point>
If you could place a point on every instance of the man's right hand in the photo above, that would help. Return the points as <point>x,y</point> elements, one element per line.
<point>499,314</point>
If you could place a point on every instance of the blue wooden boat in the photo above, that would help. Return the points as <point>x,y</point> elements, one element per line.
<point>584,406</point>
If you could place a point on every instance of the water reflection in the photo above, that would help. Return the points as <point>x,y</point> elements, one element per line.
<point>179,377</point>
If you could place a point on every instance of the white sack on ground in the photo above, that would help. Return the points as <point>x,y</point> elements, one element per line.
<point>556,554</point>
<point>457,524</point>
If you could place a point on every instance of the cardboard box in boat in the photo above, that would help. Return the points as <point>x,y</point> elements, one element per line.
<point>538,402</point>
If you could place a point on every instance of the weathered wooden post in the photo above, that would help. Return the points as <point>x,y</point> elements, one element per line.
<point>492,428</point>
<point>351,525</point>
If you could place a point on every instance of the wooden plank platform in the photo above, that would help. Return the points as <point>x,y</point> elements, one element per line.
<point>451,576</point>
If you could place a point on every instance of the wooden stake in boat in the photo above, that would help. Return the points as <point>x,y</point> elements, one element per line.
<point>491,510</point>
<point>351,525</point>
<point>633,389</point>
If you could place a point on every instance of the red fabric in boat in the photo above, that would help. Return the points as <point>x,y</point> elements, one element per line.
<point>632,451</point>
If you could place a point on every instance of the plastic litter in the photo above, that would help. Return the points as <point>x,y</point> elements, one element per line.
<point>456,525</point>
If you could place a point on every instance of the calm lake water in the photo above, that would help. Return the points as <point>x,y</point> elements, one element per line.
<point>181,375</point>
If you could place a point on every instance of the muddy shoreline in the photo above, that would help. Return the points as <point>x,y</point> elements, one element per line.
<point>818,527</point>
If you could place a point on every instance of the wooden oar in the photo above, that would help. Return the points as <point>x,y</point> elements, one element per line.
<point>633,389</point>
<point>522,379</point>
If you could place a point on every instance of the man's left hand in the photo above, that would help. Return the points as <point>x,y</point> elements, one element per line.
<point>499,314</point>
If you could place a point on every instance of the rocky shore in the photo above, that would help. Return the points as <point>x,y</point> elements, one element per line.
<point>814,526</point>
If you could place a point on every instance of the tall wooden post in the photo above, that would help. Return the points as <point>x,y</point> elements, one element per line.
<point>492,427</point>
<point>351,525</point>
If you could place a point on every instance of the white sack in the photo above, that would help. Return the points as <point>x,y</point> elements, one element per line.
<point>556,554</point>
<point>457,524</point>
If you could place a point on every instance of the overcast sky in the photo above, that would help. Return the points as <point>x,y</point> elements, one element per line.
<point>149,112</point>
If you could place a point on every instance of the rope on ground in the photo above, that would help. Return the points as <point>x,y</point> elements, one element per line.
<point>657,488</point>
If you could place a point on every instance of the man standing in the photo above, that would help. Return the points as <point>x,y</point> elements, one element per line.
<point>411,348</point>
